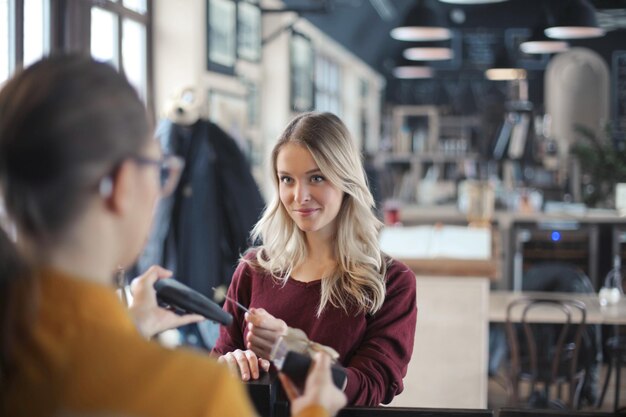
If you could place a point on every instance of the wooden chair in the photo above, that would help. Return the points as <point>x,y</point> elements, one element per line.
<point>545,355</point>
<point>565,277</point>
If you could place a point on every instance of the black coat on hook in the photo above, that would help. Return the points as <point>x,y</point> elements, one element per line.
<point>201,230</point>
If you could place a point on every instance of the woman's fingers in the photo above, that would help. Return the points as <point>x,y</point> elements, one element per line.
<point>261,346</point>
<point>262,319</point>
<point>262,333</point>
<point>265,364</point>
<point>230,361</point>
<point>252,363</point>
<point>261,340</point>
<point>149,277</point>
<point>244,363</point>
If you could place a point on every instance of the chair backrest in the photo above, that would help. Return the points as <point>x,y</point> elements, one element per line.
<point>566,277</point>
<point>542,352</point>
<point>556,276</point>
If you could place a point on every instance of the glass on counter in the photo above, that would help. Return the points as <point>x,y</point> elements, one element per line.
<point>391,213</point>
<point>479,202</point>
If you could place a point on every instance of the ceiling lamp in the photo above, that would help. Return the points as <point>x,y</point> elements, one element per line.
<point>423,23</point>
<point>413,72</point>
<point>574,19</point>
<point>429,52</point>
<point>503,68</point>
<point>405,69</point>
<point>505,74</point>
<point>539,43</point>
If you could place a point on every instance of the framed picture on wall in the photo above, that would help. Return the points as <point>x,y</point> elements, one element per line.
<point>302,74</point>
<point>248,31</point>
<point>230,112</point>
<point>221,35</point>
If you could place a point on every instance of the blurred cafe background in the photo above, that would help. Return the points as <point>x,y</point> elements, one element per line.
<point>494,139</point>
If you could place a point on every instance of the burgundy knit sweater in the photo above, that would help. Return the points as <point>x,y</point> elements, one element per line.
<point>375,349</point>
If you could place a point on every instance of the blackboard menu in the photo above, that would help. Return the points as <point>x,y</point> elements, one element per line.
<point>514,38</point>
<point>618,86</point>
<point>479,48</point>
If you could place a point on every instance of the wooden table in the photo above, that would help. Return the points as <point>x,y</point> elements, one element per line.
<point>596,314</point>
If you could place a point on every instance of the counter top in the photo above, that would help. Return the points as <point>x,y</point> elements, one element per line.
<point>414,214</point>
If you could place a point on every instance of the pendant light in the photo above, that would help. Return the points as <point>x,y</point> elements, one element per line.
<point>406,69</point>
<point>413,72</point>
<point>503,69</point>
<point>431,51</point>
<point>539,43</point>
<point>423,23</point>
<point>574,19</point>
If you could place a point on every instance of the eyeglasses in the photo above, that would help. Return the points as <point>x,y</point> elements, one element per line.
<point>170,168</point>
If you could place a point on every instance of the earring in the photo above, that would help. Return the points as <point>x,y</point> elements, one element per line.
<point>105,189</point>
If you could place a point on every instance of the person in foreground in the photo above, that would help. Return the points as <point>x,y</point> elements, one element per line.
<point>80,176</point>
<point>319,268</point>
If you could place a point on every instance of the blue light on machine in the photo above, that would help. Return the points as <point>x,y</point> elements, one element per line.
<point>556,236</point>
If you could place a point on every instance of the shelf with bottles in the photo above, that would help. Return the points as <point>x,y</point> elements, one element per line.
<point>415,129</point>
<point>429,153</point>
<point>422,131</point>
<point>426,179</point>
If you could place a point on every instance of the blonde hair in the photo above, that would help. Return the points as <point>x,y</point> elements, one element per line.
<point>358,280</point>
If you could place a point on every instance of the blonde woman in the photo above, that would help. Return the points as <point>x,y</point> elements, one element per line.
<point>319,268</point>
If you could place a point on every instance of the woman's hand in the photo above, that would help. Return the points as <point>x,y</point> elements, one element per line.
<point>263,331</point>
<point>319,388</point>
<point>244,363</point>
<point>149,318</point>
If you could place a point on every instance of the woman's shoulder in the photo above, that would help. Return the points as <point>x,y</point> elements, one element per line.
<point>248,259</point>
<point>250,253</point>
<point>248,266</point>
<point>398,274</point>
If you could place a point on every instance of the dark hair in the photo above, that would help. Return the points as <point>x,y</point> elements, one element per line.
<point>65,123</point>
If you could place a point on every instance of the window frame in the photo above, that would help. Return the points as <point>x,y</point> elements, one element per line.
<point>16,48</point>
<point>322,84</point>
<point>123,13</point>
<point>70,31</point>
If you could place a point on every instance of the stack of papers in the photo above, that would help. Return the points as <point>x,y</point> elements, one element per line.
<point>427,242</point>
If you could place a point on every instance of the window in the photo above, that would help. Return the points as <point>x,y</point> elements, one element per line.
<point>36,30</point>
<point>104,39</point>
<point>139,6</point>
<point>113,31</point>
<point>327,85</point>
<point>119,36</point>
<point>134,55</point>
<point>7,39</point>
<point>27,40</point>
